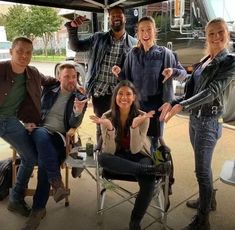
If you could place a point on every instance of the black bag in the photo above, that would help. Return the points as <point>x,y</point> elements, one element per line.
<point>6,177</point>
<point>163,154</point>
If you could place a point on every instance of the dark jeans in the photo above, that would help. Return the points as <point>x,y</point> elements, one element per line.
<point>100,105</point>
<point>125,163</point>
<point>49,147</point>
<point>204,133</point>
<point>13,132</point>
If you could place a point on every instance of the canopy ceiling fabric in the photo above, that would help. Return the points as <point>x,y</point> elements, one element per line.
<point>87,5</point>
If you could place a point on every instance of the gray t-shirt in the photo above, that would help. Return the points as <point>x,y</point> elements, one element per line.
<point>54,121</point>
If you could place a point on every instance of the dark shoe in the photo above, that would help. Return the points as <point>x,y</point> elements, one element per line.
<point>199,223</point>
<point>195,203</point>
<point>59,191</point>
<point>160,169</point>
<point>20,207</point>
<point>134,225</point>
<point>34,219</point>
<point>76,172</point>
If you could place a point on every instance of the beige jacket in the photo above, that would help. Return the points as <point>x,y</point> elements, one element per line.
<point>139,142</point>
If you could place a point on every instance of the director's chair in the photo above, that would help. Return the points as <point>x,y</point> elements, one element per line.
<point>70,140</point>
<point>109,182</point>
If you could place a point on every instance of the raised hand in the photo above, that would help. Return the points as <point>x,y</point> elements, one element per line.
<point>116,70</point>
<point>167,72</point>
<point>137,121</point>
<point>81,89</point>
<point>102,121</point>
<point>79,105</point>
<point>164,109</point>
<point>78,21</point>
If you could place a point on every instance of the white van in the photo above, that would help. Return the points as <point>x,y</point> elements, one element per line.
<point>4,45</point>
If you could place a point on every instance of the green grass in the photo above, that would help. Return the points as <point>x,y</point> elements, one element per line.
<point>48,58</point>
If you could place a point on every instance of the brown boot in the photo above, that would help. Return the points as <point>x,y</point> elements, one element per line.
<point>195,203</point>
<point>59,191</point>
<point>199,222</point>
<point>34,219</point>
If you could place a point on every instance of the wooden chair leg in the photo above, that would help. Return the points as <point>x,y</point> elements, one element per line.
<point>14,166</point>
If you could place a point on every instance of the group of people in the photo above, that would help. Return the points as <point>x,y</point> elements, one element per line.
<point>130,83</point>
<point>32,122</point>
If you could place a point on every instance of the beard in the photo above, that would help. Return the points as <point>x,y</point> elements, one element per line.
<point>70,87</point>
<point>116,27</point>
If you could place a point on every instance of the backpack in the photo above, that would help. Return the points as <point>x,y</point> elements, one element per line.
<point>5,177</point>
<point>162,155</point>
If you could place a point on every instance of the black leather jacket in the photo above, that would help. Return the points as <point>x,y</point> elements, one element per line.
<point>208,96</point>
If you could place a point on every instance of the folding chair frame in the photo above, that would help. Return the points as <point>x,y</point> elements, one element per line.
<point>103,185</point>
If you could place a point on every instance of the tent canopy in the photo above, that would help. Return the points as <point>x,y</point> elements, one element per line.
<point>87,5</point>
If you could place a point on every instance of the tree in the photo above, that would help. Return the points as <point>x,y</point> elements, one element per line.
<point>43,21</point>
<point>15,19</point>
<point>32,22</point>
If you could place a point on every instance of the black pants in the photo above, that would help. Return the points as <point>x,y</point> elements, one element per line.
<point>100,105</point>
<point>125,163</point>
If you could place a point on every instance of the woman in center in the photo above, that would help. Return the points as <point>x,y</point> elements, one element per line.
<point>126,147</point>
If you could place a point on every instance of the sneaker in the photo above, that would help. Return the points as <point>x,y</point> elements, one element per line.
<point>34,219</point>
<point>20,207</point>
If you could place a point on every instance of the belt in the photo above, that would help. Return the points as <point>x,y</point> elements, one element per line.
<point>213,111</point>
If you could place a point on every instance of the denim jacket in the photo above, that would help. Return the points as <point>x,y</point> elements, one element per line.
<point>213,81</point>
<point>49,96</point>
<point>98,44</point>
<point>144,69</point>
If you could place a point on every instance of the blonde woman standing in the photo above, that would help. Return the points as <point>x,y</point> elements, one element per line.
<point>204,100</point>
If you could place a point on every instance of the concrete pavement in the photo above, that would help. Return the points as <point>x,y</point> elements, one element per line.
<point>81,214</point>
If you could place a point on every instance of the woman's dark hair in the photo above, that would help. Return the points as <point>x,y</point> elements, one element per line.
<point>115,112</point>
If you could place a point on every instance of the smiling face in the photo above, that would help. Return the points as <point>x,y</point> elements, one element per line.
<point>21,54</point>
<point>125,98</point>
<point>146,33</point>
<point>117,19</point>
<point>217,36</point>
<point>68,79</point>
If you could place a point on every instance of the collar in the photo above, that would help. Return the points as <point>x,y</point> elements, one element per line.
<point>113,39</point>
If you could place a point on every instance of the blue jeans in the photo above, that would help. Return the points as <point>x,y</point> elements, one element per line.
<point>204,133</point>
<point>124,163</point>
<point>49,148</point>
<point>13,132</point>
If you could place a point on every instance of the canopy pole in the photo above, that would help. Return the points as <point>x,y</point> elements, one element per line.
<point>106,15</point>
